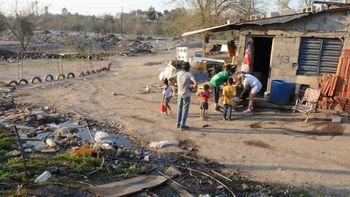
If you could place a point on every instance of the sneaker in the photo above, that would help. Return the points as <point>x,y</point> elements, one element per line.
<point>224,119</point>
<point>178,126</point>
<point>184,127</point>
<point>248,110</point>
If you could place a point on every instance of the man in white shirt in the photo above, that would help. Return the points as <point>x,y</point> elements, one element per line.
<point>185,82</point>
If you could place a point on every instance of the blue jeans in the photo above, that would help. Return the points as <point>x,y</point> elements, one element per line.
<point>183,105</point>
<point>216,95</point>
<point>227,108</point>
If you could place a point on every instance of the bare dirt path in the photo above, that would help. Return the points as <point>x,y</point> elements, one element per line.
<point>268,145</point>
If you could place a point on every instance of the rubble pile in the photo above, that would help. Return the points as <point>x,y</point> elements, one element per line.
<point>6,102</point>
<point>133,47</point>
<point>72,149</point>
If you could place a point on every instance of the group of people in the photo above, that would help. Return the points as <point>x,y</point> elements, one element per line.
<point>185,83</point>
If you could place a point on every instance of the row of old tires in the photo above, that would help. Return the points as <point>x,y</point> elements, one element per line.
<point>58,77</point>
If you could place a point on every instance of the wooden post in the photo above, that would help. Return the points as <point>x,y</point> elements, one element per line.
<point>22,152</point>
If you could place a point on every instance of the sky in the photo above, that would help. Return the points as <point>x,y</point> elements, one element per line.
<point>89,7</point>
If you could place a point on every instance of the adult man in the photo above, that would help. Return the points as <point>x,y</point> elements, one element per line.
<point>184,84</point>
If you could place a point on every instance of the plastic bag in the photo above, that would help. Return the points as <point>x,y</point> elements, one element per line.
<point>162,108</point>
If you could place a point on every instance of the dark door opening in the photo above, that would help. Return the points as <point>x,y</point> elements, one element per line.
<point>262,57</point>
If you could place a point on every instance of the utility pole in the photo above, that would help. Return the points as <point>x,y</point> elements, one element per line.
<point>121,22</point>
<point>36,8</point>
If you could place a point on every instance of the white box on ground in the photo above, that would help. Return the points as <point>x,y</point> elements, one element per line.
<point>181,53</point>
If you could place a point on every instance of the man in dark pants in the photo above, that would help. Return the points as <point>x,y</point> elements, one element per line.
<point>216,81</point>
<point>184,84</point>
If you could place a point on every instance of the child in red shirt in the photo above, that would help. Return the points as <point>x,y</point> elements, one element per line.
<point>203,97</point>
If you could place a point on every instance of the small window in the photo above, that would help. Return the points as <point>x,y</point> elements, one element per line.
<point>319,56</point>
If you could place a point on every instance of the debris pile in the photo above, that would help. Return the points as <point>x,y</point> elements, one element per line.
<point>133,47</point>
<point>6,102</point>
<point>65,149</point>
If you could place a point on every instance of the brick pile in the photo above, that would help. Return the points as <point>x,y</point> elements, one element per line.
<point>335,89</point>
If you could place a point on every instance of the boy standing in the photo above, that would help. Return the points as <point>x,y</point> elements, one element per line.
<point>228,92</point>
<point>203,97</point>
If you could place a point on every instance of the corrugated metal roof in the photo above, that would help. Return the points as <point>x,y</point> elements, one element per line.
<point>275,20</point>
<point>220,28</point>
<point>261,22</point>
<point>236,26</point>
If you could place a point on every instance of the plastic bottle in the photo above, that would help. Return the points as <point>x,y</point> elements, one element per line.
<point>43,177</point>
<point>50,143</point>
<point>159,144</point>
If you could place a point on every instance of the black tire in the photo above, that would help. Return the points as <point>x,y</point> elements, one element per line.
<point>49,77</point>
<point>70,75</point>
<point>81,74</point>
<point>88,72</point>
<point>13,83</point>
<point>35,79</point>
<point>25,81</point>
<point>93,72</point>
<point>60,77</point>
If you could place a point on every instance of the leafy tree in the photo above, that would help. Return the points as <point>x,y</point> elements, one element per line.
<point>283,4</point>
<point>22,26</point>
<point>307,2</point>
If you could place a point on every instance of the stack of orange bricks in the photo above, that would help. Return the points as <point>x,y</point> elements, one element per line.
<point>342,83</point>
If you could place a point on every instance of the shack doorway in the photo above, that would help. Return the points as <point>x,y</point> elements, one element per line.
<point>261,60</point>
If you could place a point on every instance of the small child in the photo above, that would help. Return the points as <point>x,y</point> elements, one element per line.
<point>167,94</point>
<point>228,92</point>
<point>203,97</point>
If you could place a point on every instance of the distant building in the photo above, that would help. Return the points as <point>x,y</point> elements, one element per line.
<point>65,12</point>
<point>46,10</point>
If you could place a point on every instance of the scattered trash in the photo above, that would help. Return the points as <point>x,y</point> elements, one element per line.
<point>82,152</point>
<point>43,177</point>
<point>205,126</point>
<point>48,150</point>
<point>102,137</point>
<point>50,143</point>
<point>159,144</point>
<point>336,119</point>
<point>173,172</point>
<point>146,158</point>
<point>13,153</point>
<point>245,187</point>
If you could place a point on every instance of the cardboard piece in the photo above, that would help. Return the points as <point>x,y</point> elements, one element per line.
<point>128,186</point>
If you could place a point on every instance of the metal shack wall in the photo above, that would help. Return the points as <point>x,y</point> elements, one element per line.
<point>286,42</point>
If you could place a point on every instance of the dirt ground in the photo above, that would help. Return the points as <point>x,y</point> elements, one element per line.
<point>267,145</point>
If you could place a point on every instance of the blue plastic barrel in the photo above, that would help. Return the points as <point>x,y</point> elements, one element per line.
<point>280,91</point>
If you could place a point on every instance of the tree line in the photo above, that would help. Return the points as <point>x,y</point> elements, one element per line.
<point>188,15</point>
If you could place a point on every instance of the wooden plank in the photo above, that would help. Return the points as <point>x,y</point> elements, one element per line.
<point>348,89</point>
<point>324,82</point>
<point>328,87</point>
<point>128,186</point>
<point>345,53</point>
<point>334,83</point>
<point>181,192</point>
<point>344,67</point>
<point>340,64</point>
